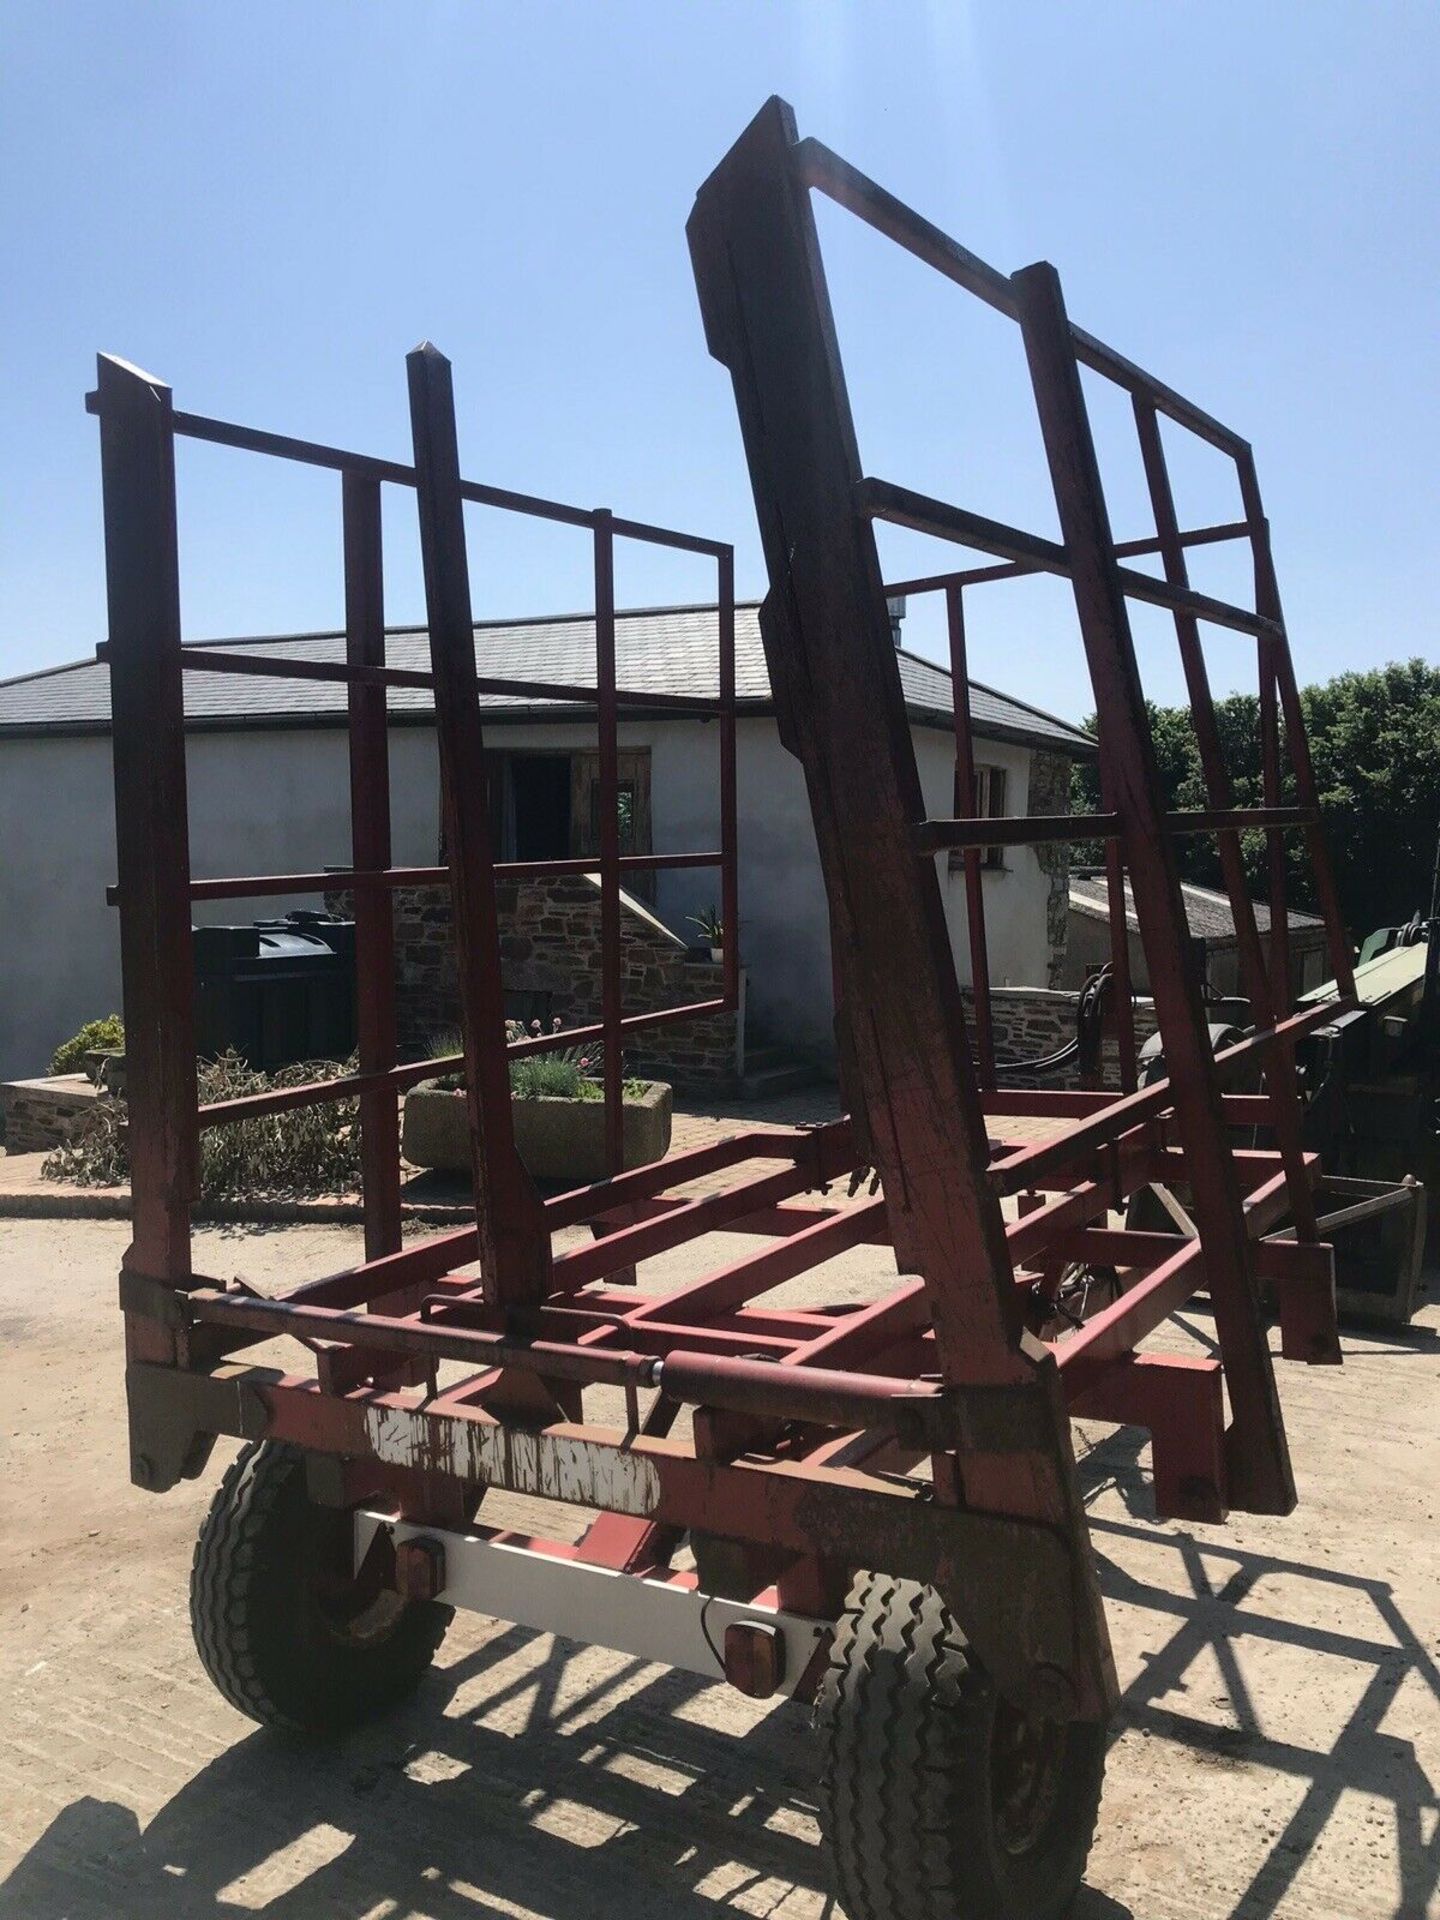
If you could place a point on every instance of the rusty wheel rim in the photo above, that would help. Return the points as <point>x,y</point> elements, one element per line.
<point>1026,1757</point>
<point>356,1609</point>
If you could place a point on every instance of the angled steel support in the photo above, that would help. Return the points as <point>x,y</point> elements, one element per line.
<point>836,682</point>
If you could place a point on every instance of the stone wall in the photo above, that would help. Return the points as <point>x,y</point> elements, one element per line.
<point>550,964</point>
<point>1031,1022</point>
<point>36,1115</point>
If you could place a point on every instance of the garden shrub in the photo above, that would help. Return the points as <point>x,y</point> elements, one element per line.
<point>95,1035</point>
<point>305,1152</point>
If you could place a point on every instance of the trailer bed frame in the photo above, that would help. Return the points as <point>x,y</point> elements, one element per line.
<point>925,1432</point>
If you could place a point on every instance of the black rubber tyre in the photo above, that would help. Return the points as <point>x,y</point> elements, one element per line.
<point>284,1628</point>
<point>939,1800</point>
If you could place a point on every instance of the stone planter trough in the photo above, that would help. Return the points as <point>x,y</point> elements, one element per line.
<point>558,1140</point>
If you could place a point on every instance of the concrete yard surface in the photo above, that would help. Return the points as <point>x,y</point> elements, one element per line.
<point>1278,1752</point>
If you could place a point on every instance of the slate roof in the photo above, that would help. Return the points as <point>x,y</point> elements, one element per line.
<point>667,650</point>
<point>1206,911</point>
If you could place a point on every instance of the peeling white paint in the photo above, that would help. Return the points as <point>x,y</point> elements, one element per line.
<point>550,1466</point>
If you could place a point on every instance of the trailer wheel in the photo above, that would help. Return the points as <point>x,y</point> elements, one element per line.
<point>284,1627</point>
<point>938,1798</point>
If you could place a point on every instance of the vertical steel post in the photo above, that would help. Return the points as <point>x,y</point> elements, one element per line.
<point>514,1243</point>
<point>1279,1058</point>
<point>1256,1451</point>
<point>1267,602</point>
<point>965,804</point>
<point>1272,788</point>
<point>1119,944</point>
<point>147,704</point>
<point>611,960</point>
<point>729,836</point>
<point>370,851</point>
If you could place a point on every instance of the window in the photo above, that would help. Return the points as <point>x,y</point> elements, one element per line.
<point>625,806</point>
<point>546,806</point>
<point>632,798</point>
<point>987,803</point>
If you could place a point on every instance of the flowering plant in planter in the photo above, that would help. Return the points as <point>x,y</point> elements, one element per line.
<point>557,1106</point>
<point>563,1073</point>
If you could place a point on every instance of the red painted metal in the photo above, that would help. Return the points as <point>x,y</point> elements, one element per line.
<point>612,1012</point>
<point>972,856</point>
<point>370,851</point>
<point>137,460</point>
<point>957,1353</point>
<point>514,1247</point>
<point>279,666</point>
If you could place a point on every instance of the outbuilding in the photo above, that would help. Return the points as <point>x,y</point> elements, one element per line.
<point>1211,921</point>
<point>269,793</point>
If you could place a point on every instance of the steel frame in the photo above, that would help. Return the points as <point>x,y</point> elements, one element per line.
<point>807,1424</point>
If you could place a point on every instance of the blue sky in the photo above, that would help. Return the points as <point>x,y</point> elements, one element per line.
<point>269,204</point>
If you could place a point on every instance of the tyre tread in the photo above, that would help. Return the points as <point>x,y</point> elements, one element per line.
<point>905,1714</point>
<point>265,1672</point>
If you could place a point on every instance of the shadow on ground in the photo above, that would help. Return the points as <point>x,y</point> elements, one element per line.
<point>521,1783</point>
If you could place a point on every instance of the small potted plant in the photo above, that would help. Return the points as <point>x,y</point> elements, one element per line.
<point>713,929</point>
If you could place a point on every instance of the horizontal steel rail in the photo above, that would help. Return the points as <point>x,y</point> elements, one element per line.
<point>820,1395</point>
<point>314,453</point>
<point>318,1093</point>
<point>824,170</point>
<point>273,666</point>
<point>254,886</point>
<point>1020,569</point>
<point>1036,829</point>
<point>902,507</point>
<point>1028,1164</point>
<point>933,836</point>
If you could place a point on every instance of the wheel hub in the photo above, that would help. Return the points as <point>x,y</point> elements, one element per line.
<point>1026,1756</point>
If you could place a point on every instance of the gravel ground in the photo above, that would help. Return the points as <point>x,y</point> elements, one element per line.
<point>1277,1753</point>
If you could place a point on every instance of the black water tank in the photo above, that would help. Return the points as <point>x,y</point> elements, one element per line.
<point>276,991</point>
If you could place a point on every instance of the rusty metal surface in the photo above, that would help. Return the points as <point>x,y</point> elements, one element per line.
<point>513,1246</point>
<point>137,461</point>
<point>370,852</point>
<point>804,1419</point>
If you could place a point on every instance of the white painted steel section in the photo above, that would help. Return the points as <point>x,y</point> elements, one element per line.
<point>551,1466</point>
<point>627,1612</point>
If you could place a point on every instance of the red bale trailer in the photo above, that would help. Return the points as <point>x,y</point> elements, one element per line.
<point>879,1499</point>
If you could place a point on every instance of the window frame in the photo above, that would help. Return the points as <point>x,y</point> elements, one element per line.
<point>987,802</point>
